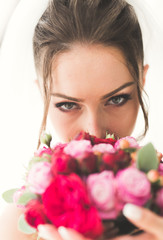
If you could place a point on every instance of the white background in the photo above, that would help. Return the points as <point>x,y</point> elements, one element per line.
<point>20,102</point>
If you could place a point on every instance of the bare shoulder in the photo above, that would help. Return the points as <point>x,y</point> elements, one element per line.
<point>8,223</point>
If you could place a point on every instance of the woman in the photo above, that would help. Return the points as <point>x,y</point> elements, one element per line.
<point>90,65</point>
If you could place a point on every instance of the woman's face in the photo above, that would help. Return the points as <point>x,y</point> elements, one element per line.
<point>92,91</point>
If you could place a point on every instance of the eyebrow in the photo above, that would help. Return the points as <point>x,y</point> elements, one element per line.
<point>102,98</point>
<point>117,90</point>
<point>67,97</point>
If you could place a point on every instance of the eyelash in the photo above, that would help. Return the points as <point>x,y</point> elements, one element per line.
<point>125,98</point>
<point>61,104</point>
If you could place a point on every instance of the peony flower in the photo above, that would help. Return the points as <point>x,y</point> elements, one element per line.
<point>132,187</point>
<point>41,151</point>
<point>101,189</point>
<point>159,199</point>
<point>17,195</point>
<point>35,214</point>
<point>77,148</point>
<point>67,204</point>
<point>39,177</point>
<point>132,142</point>
<point>103,147</point>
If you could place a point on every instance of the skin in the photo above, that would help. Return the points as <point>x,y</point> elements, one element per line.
<point>88,75</point>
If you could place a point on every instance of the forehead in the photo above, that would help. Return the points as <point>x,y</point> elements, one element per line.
<point>90,66</point>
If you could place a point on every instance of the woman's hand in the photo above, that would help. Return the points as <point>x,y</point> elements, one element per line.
<point>146,220</point>
<point>49,232</point>
<point>141,217</point>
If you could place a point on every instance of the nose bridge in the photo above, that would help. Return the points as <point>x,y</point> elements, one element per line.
<point>94,124</point>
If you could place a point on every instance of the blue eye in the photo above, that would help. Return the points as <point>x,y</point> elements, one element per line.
<point>118,100</point>
<point>67,106</point>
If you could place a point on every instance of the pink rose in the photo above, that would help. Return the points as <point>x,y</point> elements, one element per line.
<point>17,195</point>
<point>59,147</point>
<point>160,169</point>
<point>41,151</point>
<point>77,148</point>
<point>101,188</point>
<point>159,200</point>
<point>132,142</point>
<point>66,204</point>
<point>103,147</point>
<point>132,187</point>
<point>40,177</point>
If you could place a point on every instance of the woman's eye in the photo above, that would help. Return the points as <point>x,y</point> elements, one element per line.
<point>67,106</point>
<point>118,100</point>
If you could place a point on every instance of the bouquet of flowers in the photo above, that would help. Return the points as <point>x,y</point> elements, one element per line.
<point>86,182</point>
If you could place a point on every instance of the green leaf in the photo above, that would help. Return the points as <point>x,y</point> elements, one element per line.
<point>26,197</point>
<point>108,135</point>
<point>147,158</point>
<point>24,227</point>
<point>8,195</point>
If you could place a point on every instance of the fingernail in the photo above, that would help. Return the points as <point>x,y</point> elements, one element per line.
<point>42,231</point>
<point>133,212</point>
<point>63,232</point>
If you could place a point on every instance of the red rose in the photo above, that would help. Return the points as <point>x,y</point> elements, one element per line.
<point>83,136</point>
<point>66,204</point>
<point>35,214</point>
<point>88,163</point>
<point>123,159</point>
<point>115,161</point>
<point>109,160</point>
<point>63,163</point>
<point>94,140</point>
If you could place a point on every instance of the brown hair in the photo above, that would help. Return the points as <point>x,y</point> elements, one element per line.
<point>105,22</point>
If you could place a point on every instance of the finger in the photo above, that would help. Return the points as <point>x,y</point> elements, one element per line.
<point>144,219</point>
<point>48,232</point>
<point>69,234</point>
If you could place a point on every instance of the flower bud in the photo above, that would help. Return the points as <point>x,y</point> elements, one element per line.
<point>124,144</point>
<point>134,156</point>
<point>159,155</point>
<point>153,175</point>
<point>46,139</point>
<point>108,135</point>
<point>161,181</point>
